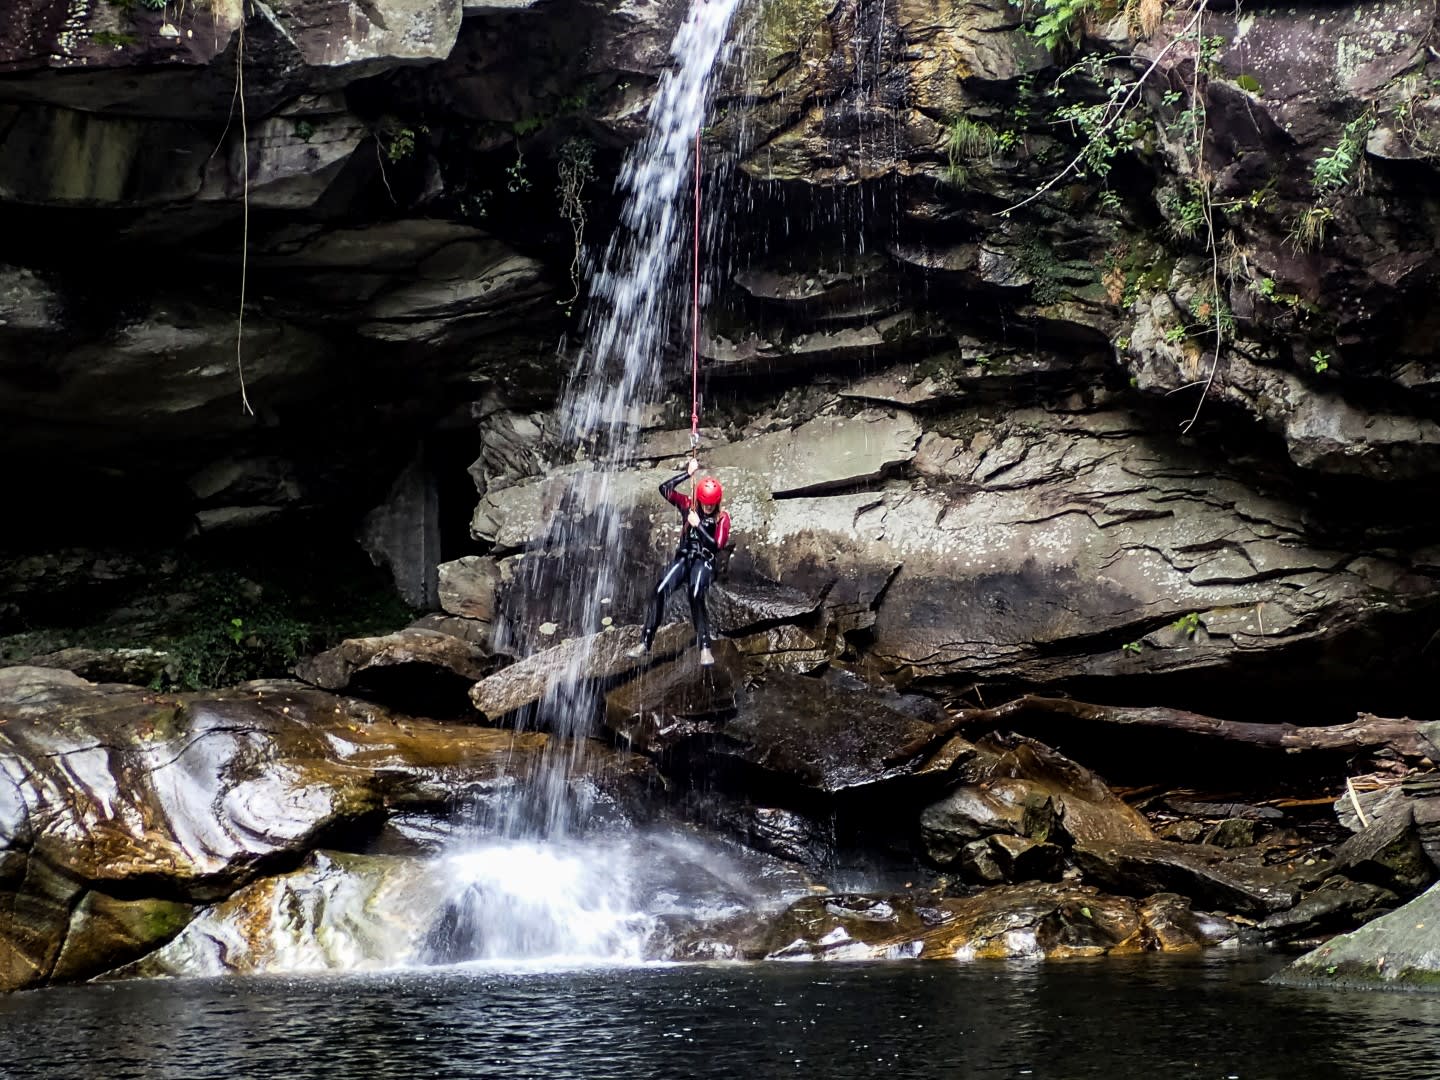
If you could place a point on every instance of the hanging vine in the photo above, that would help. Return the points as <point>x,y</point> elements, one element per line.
<point>575,169</point>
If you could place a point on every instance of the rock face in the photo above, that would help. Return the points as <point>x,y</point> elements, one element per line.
<point>121,811</point>
<point>1159,424</point>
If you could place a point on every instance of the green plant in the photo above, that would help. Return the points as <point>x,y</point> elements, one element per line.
<point>966,140</point>
<point>304,130</point>
<point>1210,46</point>
<point>1132,647</point>
<point>1187,624</point>
<point>1107,127</point>
<point>1212,313</point>
<point>517,181</point>
<point>1320,361</point>
<point>112,39</point>
<point>1186,213</point>
<point>399,140</point>
<point>1175,335</point>
<point>1249,84</point>
<point>1336,165</point>
<point>1060,22</point>
<point>1122,343</point>
<point>1307,229</point>
<point>1265,286</point>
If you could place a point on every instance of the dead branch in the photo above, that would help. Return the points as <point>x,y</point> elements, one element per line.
<point>1407,738</point>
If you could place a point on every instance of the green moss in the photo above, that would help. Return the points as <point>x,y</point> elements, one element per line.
<point>785,25</point>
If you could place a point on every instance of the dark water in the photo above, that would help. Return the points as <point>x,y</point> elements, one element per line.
<point>1147,1017</point>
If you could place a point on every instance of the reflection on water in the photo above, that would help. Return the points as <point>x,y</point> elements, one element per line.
<point>1150,1017</point>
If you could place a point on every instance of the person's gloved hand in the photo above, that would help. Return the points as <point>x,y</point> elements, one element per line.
<point>692,519</point>
<point>692,466</point>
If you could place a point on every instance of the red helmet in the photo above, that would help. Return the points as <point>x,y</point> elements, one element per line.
<point>709,493</point>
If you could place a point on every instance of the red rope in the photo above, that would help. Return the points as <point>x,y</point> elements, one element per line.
<point>695,321</point>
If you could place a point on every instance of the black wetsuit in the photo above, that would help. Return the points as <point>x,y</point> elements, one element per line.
<point>693,563</point>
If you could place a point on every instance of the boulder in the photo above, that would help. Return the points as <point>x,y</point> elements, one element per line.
<point>1387,853</point>
<point>1397,951</point>
<point>421,672</point>
<point>1337,904</point>
<point>1023,791</point>
<point>468,587</point>
<point>674,701</point>
<point>136,800</point>
<point>594,658</point>
<point>337,911</point>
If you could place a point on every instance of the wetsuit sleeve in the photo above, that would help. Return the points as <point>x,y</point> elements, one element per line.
<point>675,498</point>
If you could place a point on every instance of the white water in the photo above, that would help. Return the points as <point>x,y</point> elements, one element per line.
<point>535,895</point>
<point>640,286</point>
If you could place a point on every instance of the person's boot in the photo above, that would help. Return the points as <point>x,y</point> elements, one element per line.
<point>637,651</point>
<point>707,658</point>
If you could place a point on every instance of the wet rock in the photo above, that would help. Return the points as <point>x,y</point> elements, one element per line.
<point>976,860</point>
<point>1231,811</point>
<point>1172,925</point>
<point>972,813</point>
<point>474,631</point>
<point>779,831</point>
<point>468,587</point>
<point>1337,904</point>
<point>1025,789</point>
<point>142,797</point>
<point>1025,921</point>
<point>1231,881</point>
<point>596,657</point>
<point>105,932</point>
<point>745,603</point>
<point>352,912</point>
<point>785,648</point>
<point>422,672</point>
<point>1020,858</point>
<point>675,701</point>
<point>1396,951</point>
<point>1186,832</point>
<point>891,336</point>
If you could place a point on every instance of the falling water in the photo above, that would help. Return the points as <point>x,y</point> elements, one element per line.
<point>636,298</point>
<point>533,892</point>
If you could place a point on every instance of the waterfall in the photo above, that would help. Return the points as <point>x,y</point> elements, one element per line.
<point>635,299</point>
<point>532,892</point>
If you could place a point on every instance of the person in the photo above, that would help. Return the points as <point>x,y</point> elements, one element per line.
<point>705,530</point>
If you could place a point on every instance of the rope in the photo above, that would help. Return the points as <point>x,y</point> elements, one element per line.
<point>695,318</point>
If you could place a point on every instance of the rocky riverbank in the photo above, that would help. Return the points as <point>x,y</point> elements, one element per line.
<point>1085,362</point>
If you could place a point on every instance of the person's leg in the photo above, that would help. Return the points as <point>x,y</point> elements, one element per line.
<point>700,574</point>
<point>672,577</point>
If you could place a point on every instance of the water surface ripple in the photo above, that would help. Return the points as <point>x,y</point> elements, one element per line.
<point>1150,1017</point>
